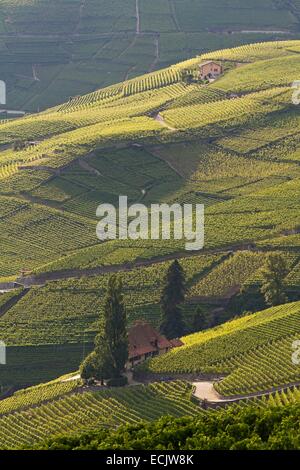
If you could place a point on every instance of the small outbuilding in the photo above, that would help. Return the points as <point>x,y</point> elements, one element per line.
<point>210,70</point>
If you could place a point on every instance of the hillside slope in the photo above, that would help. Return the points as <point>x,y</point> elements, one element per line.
<point>230,154</point>
<point>254,352</point>
<point>241,429</point>
<point>49,52</point>
<point>65,408</point>
<point>232,145</point>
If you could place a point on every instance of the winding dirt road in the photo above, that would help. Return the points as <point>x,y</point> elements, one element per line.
<point>206,391</point>
<point>138,19</point>
<point>40,279</point>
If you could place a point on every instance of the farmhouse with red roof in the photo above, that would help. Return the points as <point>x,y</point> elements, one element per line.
<point>145,341</point>
<point>210,70</point>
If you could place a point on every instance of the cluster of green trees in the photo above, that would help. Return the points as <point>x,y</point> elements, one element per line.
<point>249,428</point>
<point>273,290</point>
<point>108,360</point>
<point>110,355</point>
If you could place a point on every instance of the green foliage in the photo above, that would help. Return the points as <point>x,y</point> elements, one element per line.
<point>111,344</point>
<point>117,382</point>
<point>253,351</point>
<point>233,145</point>
<point>241,429</point>
<point>201,116</point>
<point>33,396</point>
<point>31,365</point>
<point>68,311</point>
<point>81,412</point>
<point>229,275</point>
<point>18,145</point>
<point>115,332</point>
<point>98,364</point>
<point>45,70</point>
<point>201,320</point>
<point>187,77</point>
<point>274,274</point>
<point>173,296</point>
<point>123,115</point>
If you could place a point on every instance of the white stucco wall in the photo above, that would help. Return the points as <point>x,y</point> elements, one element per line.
<point>2,92</point>
<point>2,353</point>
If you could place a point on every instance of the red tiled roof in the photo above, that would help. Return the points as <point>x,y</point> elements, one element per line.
<point>176,343</point>
<point>143,339</point>
<point>209,62</point>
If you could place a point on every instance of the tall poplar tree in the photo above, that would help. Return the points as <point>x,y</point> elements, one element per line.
<point>274,273</point>
<point>111,345</point>
<point>115,332</point>
<point>173,295</point>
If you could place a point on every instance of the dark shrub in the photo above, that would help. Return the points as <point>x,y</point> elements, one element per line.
<point>117,382</point>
